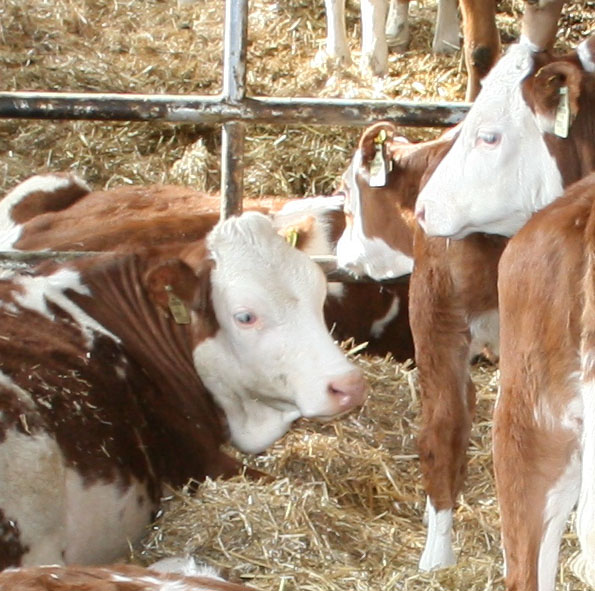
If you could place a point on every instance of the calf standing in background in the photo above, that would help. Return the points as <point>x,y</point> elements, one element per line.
<point>452,305</point>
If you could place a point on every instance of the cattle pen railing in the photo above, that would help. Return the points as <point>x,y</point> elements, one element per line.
<point>232,109</point>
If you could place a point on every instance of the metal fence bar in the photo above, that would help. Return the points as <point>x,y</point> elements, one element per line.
<point>217,109</point>
<point>234,91</point>
<point>21,261</point>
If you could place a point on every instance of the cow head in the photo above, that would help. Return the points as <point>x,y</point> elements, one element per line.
<point>377,240</point>
<point>271,359</point>
<point>503,166</point>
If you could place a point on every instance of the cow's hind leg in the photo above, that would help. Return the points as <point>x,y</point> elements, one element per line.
<point>446,33</point>
<point>374,58</point>
<point>537,468</point>
<point>584,564</point>
<point>481,41</point>
<point>397,25</point>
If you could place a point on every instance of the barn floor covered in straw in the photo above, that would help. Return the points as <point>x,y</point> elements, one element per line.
<point>345,507</point>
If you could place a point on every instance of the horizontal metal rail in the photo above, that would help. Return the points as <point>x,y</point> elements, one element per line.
<point>218,109</point>
<point>22,261</point>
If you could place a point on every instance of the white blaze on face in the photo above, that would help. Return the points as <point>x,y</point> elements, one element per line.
<point>358,253</point>
<point>272,360</point>
<point>499,170</point>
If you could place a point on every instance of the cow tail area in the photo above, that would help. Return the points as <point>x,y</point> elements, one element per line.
<point>584,563</point>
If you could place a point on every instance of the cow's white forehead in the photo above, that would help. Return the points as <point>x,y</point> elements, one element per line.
<point>514,66</point>
<point>248,245</point>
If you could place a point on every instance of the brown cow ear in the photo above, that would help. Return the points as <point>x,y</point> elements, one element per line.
<point>172,285</point>
<point>557,88</point>
<point>376,155</point>
<point>377,133</point>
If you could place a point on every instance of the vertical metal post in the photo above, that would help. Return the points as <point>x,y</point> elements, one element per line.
<point>234,90</point>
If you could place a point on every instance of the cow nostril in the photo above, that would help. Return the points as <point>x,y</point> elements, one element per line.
<point>421,215</point>
<point>350,389</point>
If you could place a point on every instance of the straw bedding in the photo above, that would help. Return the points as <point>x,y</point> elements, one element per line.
<point>345,507</point>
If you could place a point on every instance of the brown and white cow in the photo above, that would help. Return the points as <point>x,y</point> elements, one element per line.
<point>544,422</point>
<point>59,212</point>
<point>529,134</point>
<point>118,577</point>
<point>452,301</point>
<point>122,372</point>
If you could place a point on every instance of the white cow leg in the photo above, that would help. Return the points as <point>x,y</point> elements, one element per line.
<point>446,33</point>
<point>438,552</point>
<point>337,47</point>
<point>397,25</point>
<point>584,564</point>
<point>374,48</point>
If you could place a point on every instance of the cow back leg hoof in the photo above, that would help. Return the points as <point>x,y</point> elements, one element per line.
<point>397,26</point>
<point>438,552</point>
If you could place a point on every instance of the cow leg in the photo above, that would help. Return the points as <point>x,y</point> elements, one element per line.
<point>442,344</point>
<point>584,564</point>
<point>540,22</point>
<point>374,48</point>
<point>446,33</point>
<point>397,25</point>
<point>337,47</point>
<point>481,41</point>
<point>537,469</point>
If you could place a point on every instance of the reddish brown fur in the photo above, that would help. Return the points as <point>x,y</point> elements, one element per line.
<point>546,301</point>
<point>133,217</point>
<point>119,577</point>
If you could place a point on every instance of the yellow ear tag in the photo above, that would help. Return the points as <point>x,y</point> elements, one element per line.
<point>379,165</point>
<point>177,307</point>
<point>562,123</point>
<point>291,236</point>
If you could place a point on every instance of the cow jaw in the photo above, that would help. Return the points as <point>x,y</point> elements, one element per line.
<point>499,170</point>
<point>272,360</point>
<point>361,254</point>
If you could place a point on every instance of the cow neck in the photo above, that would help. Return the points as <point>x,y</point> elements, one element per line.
<point>162,348</point>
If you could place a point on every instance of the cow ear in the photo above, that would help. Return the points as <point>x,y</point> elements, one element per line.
<point>379,133</point>
<point>296,232</point>
<point>173,286</point>
<point>556,89</point>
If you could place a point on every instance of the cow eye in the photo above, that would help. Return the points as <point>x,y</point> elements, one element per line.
<point>245,318</point>
<point>488,138</point>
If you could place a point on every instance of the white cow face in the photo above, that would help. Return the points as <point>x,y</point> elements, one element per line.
<point>358,252</point>
<point>272,359</point>
<point>499,170</point>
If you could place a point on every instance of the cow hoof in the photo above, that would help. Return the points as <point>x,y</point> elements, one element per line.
<point>398,39</point>
<point>331,62</point>
<point>583,568</point>
<point>371,65</point>
<point>437,558</point>
<point>446,46</point>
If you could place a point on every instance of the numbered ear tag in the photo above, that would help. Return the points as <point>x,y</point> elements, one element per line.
<point>380,165</point>
<point>291,236</point>
<point>177,307</point>
<point>562,122</point>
